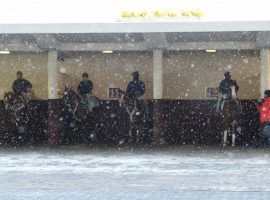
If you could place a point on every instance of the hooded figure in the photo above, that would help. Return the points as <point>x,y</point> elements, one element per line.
<point>21,85</point>
<point>136,87</point>
<point>226,83</point>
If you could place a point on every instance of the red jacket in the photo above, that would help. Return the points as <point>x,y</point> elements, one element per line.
<point>264,110</point>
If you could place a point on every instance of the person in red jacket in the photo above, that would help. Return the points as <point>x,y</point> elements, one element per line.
<point>264,109</point>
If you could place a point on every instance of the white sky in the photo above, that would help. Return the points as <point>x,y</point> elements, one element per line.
<point>84,11</point>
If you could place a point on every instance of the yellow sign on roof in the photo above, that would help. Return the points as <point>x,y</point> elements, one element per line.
<point>160,13</point>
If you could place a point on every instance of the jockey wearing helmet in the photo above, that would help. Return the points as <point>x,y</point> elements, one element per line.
<point>225,90</point>
<point>225,85</point>
<point>136,88</point>
<point>21,85</point>
<point>85,88</point>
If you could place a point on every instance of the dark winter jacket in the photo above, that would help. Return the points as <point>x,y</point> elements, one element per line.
<point>85,87</point>
<point>136,88</point>
<point>225,86</point>
<point>21,85</point>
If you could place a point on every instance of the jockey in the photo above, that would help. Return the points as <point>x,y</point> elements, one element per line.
<point>225,85</point>
<point>136,88</point>
<point>225,90</point>
<point>21,85</point>
<point>86,86</point>
<point>85,89</point>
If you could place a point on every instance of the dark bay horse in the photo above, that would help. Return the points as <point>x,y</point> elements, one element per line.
<point>138,118</point>
<point>18,111</point>
<point>72,103</point>
<point>78,116</point>
<point>230,108</point>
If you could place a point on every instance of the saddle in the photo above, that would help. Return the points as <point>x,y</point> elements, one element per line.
<point>227,98</point>
<point>89,101</point>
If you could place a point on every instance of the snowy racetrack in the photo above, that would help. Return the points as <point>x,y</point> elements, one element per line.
<point>181,173</point>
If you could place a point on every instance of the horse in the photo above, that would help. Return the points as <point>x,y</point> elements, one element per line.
<point>17,109</point>
<point>230,108</point>
<point>138,120</point>
<point>72,102</point>
<point>77,112</point>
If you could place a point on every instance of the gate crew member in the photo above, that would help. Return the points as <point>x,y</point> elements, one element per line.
<point>264,109</point>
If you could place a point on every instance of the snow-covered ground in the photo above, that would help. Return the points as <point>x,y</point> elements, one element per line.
<point>182,173</point>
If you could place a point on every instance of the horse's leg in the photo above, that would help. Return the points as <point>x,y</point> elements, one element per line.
<point>132,125</point>
<point>225,134</point>
<point>142,122</point>
<point>225,131</point>
<point>130,133</point>
<point>136,122</point>
<point>234,123</point>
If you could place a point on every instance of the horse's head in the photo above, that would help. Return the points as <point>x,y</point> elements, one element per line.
<point>121,97</point>
<point>70,98</point>
<point>233,92</point>
<point>9,100</point>
<point>69,94</point>
<point>67,89</point>
<point>6,96</point>
<point>15,105</point>
<point>72,104</point>
<point>126,99</point>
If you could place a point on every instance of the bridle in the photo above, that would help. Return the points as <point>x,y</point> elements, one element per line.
<point>68,101</point>
<point>131,111</point>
